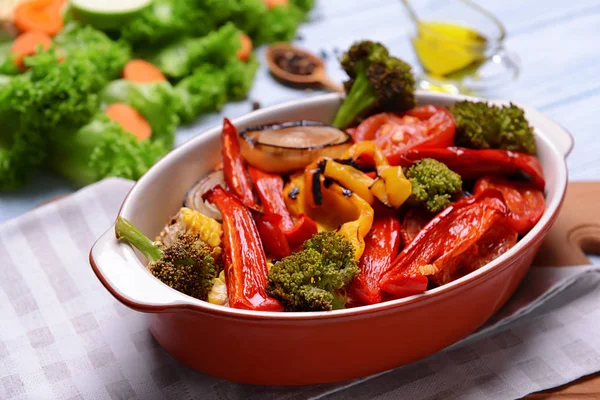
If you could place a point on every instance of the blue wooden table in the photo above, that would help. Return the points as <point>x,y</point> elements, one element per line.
<point>556,41</point>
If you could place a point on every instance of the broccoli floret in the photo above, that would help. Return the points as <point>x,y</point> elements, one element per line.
<point>433,184</point>
<point>378,82</point>
<point>484,126</point>
<point>185,265</point>
<point>315,278</point>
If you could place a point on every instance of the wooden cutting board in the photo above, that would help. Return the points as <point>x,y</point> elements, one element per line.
<point>575,232</point>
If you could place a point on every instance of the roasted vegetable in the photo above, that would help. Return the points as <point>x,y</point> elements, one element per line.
<point>191,222</point>
<point>434,251</point>
<point>433,184</point>
<point>485,126</point>
<point>315,279</point>
<point>269,188</point>
<point>234,166</point>
<point>396,133</point>
<point>525,203</point>
<point>377,82</point>
<point>473,164</point>
<point>185,265</point>
<point>381,248</point>
<point>243,255</point>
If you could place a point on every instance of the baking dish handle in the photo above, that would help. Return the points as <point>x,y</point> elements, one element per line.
<point>558,135</point>
<point>125,277</point>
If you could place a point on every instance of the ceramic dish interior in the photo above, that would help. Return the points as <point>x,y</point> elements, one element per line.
<point>159,193</point>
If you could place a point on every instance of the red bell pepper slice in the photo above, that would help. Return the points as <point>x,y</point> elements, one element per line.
<point>270,191</point>
<point>424,126</point>
<point>443,239</point>
<point>495,242</point>
<point>243,255</point>
<point>381,247</point>
<point>273,239</point>
<point>525,202</point>
<point>234,166</point>
<point>473,164</point>
<point>413,222</point>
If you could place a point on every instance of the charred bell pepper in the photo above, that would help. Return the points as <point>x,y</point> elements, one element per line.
<point>318,199</point>
<point>473,164</point>
<point>391,187</point>
<point>443,239</point>
<point>234,166</point>
<point>270,191</point>
<point>243,255</point>
<point>381,247</point>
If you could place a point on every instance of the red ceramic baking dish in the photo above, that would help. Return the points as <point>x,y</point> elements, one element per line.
<point>276,348</point>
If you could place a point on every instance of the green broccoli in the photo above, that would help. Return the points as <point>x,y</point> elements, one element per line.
<point>378,82</point>
<point>433,184</point>
<point>186,265</point>
<point>484,126</point>
<point>315,278</point>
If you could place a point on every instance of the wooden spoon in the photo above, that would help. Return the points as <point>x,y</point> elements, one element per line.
<point>317,77</point>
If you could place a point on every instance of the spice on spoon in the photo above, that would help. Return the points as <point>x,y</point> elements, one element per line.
<point>294,63</point>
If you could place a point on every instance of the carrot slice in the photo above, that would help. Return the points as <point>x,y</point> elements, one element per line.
<point>273,3</point>
<point>142,72</point>
<point>39,16</point>
<point>243,52</point>
<point>26,44</point>
<point>129,119</point>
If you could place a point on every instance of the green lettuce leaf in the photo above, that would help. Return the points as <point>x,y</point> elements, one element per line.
<point>103,149</point>
<point>240,77</point>
<point>108,56</point>
<point>158,102</point>
<point>166,20</point>
<point>203,91</point>
<point>181,57</point>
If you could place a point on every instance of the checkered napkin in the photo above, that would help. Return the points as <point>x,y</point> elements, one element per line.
<point>63,336</point>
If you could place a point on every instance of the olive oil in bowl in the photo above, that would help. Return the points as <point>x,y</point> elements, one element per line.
<point>447,50</point>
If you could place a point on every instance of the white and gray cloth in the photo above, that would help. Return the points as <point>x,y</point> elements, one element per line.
<point>63,336</point>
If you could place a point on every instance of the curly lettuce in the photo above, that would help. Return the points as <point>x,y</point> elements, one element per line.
<point>240,77</point>
<point>102,149</point>
<point>108,56</point>
<point>7,62</point>
<point>166,20</point>
<point>279,24</point>
<point>203,91</point>
<point>158,102</point>
<point>181,57</point>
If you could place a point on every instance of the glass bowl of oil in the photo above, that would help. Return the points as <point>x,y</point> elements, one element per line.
<point>459,46</point>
